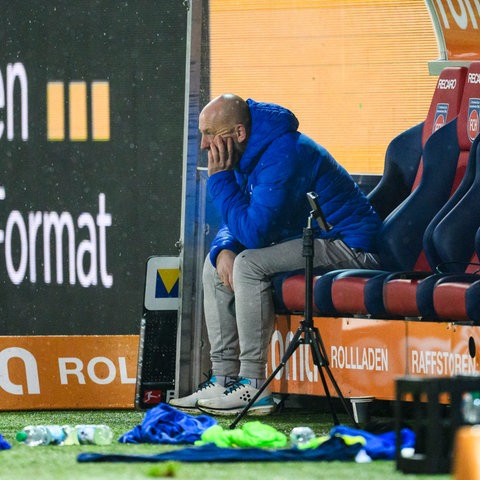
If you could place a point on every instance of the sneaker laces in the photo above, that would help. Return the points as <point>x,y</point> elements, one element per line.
<point>206,383</point>
<point>233,385</point>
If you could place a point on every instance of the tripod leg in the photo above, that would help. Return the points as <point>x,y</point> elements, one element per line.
<point>340,395</point>
<point>319,355</point>
<point>292,346</point>
<point>320,361</point>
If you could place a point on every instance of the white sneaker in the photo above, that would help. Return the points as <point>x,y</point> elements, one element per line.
<point>208,389</point>
<point>234,399</point>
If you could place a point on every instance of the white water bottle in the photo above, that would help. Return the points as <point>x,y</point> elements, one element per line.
<point>38,435</point>
<point>94,434</point>
<point>301,436</point>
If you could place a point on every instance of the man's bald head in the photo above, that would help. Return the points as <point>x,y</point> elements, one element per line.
<point>230,109</point>
<point>225,115</point>
<point>226,111</point>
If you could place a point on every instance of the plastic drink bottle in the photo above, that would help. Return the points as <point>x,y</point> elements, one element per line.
<point>94,434</point>
<point>36,435</point>
<point>300,436</point>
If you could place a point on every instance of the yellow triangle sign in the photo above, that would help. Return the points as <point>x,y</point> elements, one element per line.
<point>169,277</point>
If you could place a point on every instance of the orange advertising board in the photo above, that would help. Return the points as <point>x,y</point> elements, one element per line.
<point>68,372</point>
<point>366,356</point>
<point>441,349</point>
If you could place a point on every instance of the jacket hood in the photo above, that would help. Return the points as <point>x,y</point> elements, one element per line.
<point>269,122</point>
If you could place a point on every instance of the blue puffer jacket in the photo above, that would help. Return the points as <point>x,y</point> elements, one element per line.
<point>264,200</point>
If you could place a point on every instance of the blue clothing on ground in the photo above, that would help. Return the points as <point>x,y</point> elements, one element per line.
<point>379,446</point>
<point>332,449</point>
<point>4,445</point>
<point>263,201</point>
<point>165,424</point>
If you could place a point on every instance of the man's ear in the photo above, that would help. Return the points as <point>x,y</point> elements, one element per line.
<point>241,132</point>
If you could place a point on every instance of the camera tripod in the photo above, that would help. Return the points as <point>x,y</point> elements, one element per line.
<point>307,333</point>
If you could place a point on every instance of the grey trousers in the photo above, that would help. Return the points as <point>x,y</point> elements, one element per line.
<point>240,323</point>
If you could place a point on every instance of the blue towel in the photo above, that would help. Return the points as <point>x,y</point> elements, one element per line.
<point>332,449</point>
<point>165,424</point>
<point>382,446</point>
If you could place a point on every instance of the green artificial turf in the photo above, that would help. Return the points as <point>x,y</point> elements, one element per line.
<point>55,462</point>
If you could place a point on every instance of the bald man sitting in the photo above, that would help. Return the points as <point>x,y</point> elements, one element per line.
<point>260,169</point>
